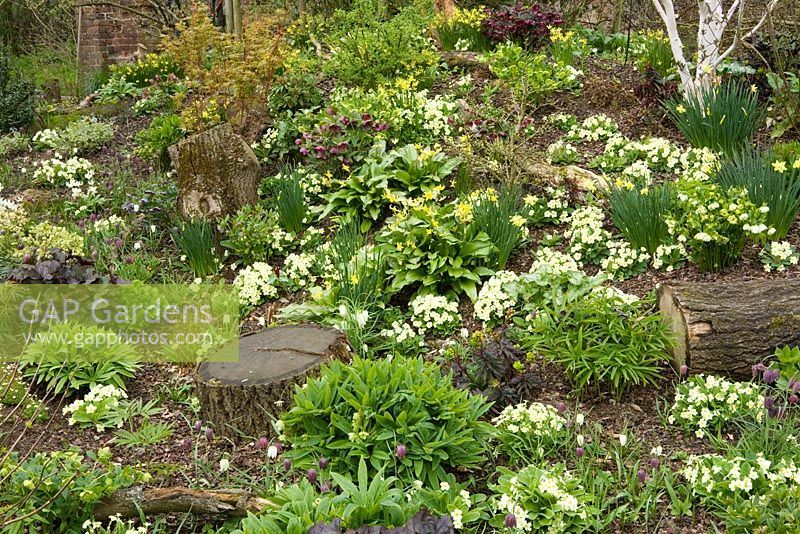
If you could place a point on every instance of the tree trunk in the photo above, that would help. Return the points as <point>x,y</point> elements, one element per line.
<point>725,328</point>
<point>244,397</point>
<point>152,501</point>
<point>218,173</point>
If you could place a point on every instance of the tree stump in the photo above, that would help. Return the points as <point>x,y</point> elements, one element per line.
<point>218,173</point>
<point>727,327</point>
<point>244,397</point>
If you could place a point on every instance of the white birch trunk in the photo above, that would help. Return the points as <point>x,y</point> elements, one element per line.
<point>713,21</point>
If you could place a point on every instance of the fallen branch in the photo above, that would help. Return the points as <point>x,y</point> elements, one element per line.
<point>152,501</point>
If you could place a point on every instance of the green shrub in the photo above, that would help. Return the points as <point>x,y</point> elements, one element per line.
<point>345,132</point>
<point>152,142</point>
<point>16,97</point>
<point>367,409</point>
<point>57,490</point>
<point>604,342</point>
<point>437,247</point>
<point>530,77</point>
<point>723,118</point>
<point>13,144</point>
<point>77,137</point>
<point>64,359</point>
<point>296,86</point>
<point>639,212</point>
<point>388,178</point>
<point>765,186</point>
<point>255,234</point>
<point>377,52</point>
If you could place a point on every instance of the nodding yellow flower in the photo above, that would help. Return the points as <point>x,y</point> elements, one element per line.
<point>463,212</point>
<point>410,244</point>
<point>644,191</point>
<point>680,109</point>
<point>779,166</point>
<point>353,278</point>
<point>796,164</point>
<point>753,88</point>
<point>345,167</point>
<point>517,220</point>
<point>329,174</point>
<point>399,247</point>
<point>706,68</point>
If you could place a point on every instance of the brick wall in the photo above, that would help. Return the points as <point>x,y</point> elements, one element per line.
<point>110,35</point>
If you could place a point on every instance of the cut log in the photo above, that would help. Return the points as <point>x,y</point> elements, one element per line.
<point>218,173</point>
<point>243,398</point>
<point>582,179</point>
<point>152,501</point>
<point>725,328</point>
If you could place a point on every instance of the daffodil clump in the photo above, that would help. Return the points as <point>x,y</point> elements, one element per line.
<point>103,407</point>
<point>704,404</point>
<point>567,46</point>
<point>715,223</point>
<point>541,499</point>
<point>777,256</point>
<point>529,430</point>
<point>462,29</point>
<point>256,284</point>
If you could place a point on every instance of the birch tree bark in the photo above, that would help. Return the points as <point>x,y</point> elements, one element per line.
<point>699,74</point>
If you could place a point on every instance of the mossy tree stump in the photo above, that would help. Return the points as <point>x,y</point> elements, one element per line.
<point>218,173</point>
<point>725,328</point>
<point>243,397</point>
